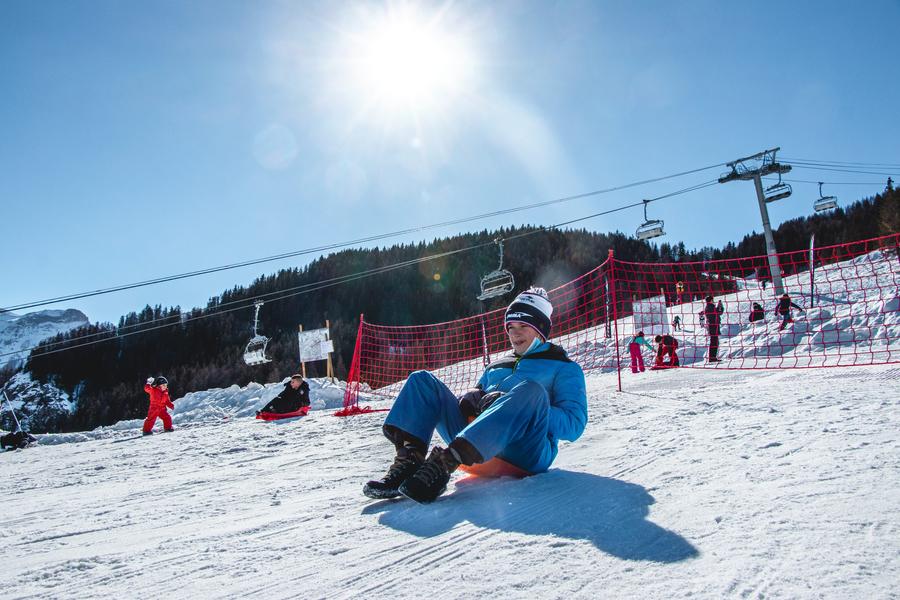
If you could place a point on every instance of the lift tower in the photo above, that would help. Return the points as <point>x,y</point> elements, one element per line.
<point>774,192</point>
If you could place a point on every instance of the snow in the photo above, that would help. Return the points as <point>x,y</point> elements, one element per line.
<point>692,483</point>
<point>702,483</point>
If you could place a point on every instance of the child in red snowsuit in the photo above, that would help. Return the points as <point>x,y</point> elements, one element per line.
<point>667,347</point>
<point>159,400</point>
<point>634,348</point>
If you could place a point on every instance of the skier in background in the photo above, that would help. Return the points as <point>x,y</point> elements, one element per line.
<point>784,309</point>
<point>713,315</point>
<point>158,388</point>
<point>634,348</point>
<point>676,323</point>
<point>756,313</point>
<point>667,347</point>
<point>522,406</point>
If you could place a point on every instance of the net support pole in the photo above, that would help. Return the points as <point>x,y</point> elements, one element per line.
<point>351,395</point>
<point>302,364</point>
<point>812,270</point>
<point>612,285</point>
<point>486,355</point>
<point>329,365</point>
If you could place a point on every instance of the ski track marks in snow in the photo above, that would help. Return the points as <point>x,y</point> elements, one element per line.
<point>692,483</point>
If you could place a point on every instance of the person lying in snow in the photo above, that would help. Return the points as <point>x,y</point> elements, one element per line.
<point>16,440</point>
<point>158,388</point>
<point>292,398</point>
<point>522,406</point>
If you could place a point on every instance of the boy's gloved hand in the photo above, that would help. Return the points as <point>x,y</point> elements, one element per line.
<point>150,380</point>
<point>487,400</point>
<point>468,403</point>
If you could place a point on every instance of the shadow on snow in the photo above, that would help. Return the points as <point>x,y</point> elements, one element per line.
<point>609,513</point>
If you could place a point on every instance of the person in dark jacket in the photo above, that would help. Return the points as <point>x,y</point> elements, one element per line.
<point>292,398</point>
<point>17,440</point>
<point>667,347</point>
<point>713,315</point>
<point>756,313</point>
<point>521,407</point>
<point>784,309</point>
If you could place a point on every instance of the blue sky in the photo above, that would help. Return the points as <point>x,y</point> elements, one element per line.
<point>147,139</point>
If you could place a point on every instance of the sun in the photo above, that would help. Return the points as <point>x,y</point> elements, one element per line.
<point>404,60</point>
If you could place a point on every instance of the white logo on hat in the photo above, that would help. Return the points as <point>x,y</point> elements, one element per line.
<point>516,315</point>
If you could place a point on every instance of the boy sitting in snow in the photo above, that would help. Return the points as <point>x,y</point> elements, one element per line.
<point>292,398</point>
<point>522,406</point>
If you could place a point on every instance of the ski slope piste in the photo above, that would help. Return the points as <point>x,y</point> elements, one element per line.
<point>694,482</point>
<point>849,295</point>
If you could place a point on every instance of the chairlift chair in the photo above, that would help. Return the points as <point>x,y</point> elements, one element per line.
<point>255,351</point>
<point>650,228</point>
<point>499,282</point>
<point>777,191</point>
<point>824,203</point>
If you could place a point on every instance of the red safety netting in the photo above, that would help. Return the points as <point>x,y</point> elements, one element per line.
<point>849,315</point>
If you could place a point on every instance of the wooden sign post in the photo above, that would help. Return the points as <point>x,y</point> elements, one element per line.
<point>316,344</point>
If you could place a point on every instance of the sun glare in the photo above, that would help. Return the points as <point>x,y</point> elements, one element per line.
<point>403,60</point>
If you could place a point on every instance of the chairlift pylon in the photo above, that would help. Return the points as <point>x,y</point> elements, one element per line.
<point>499,282</point>
<point>255,351</point>
<point>824,203</point>
<point>777,191</point>
<point>650,228</point>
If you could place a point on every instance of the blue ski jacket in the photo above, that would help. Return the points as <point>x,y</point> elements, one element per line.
<point>639,339</point>
<point>562,378</point>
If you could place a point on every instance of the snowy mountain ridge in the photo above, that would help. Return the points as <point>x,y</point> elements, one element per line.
<point>20,332</point>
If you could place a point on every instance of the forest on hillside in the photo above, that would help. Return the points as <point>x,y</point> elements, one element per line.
<point>202,348</point>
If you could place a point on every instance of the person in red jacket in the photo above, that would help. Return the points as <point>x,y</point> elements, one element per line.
<point>158,389</point>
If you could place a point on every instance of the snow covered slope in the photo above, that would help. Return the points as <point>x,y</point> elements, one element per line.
<point>700,483</point>
<point>19,332</point>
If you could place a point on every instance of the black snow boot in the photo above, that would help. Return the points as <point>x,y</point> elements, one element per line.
<point>431,480</point>
<point>408,461</point>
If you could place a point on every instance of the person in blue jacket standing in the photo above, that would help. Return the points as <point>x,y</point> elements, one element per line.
<point>521,407</point>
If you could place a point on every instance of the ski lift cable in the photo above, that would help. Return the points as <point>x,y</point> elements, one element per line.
<point>832,182</point>
<point>838,162</point>
<point>111,334</point>
<point>316,286</point>
<point>285,255</point>
<point>861,172</point>
<point>243,303</point>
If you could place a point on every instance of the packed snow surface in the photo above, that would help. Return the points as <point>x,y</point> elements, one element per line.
<point>691,483</point>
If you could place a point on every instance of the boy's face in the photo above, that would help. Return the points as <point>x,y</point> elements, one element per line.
<point>164,386</point>
<point>520,336</point>
<point>295,383</point>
